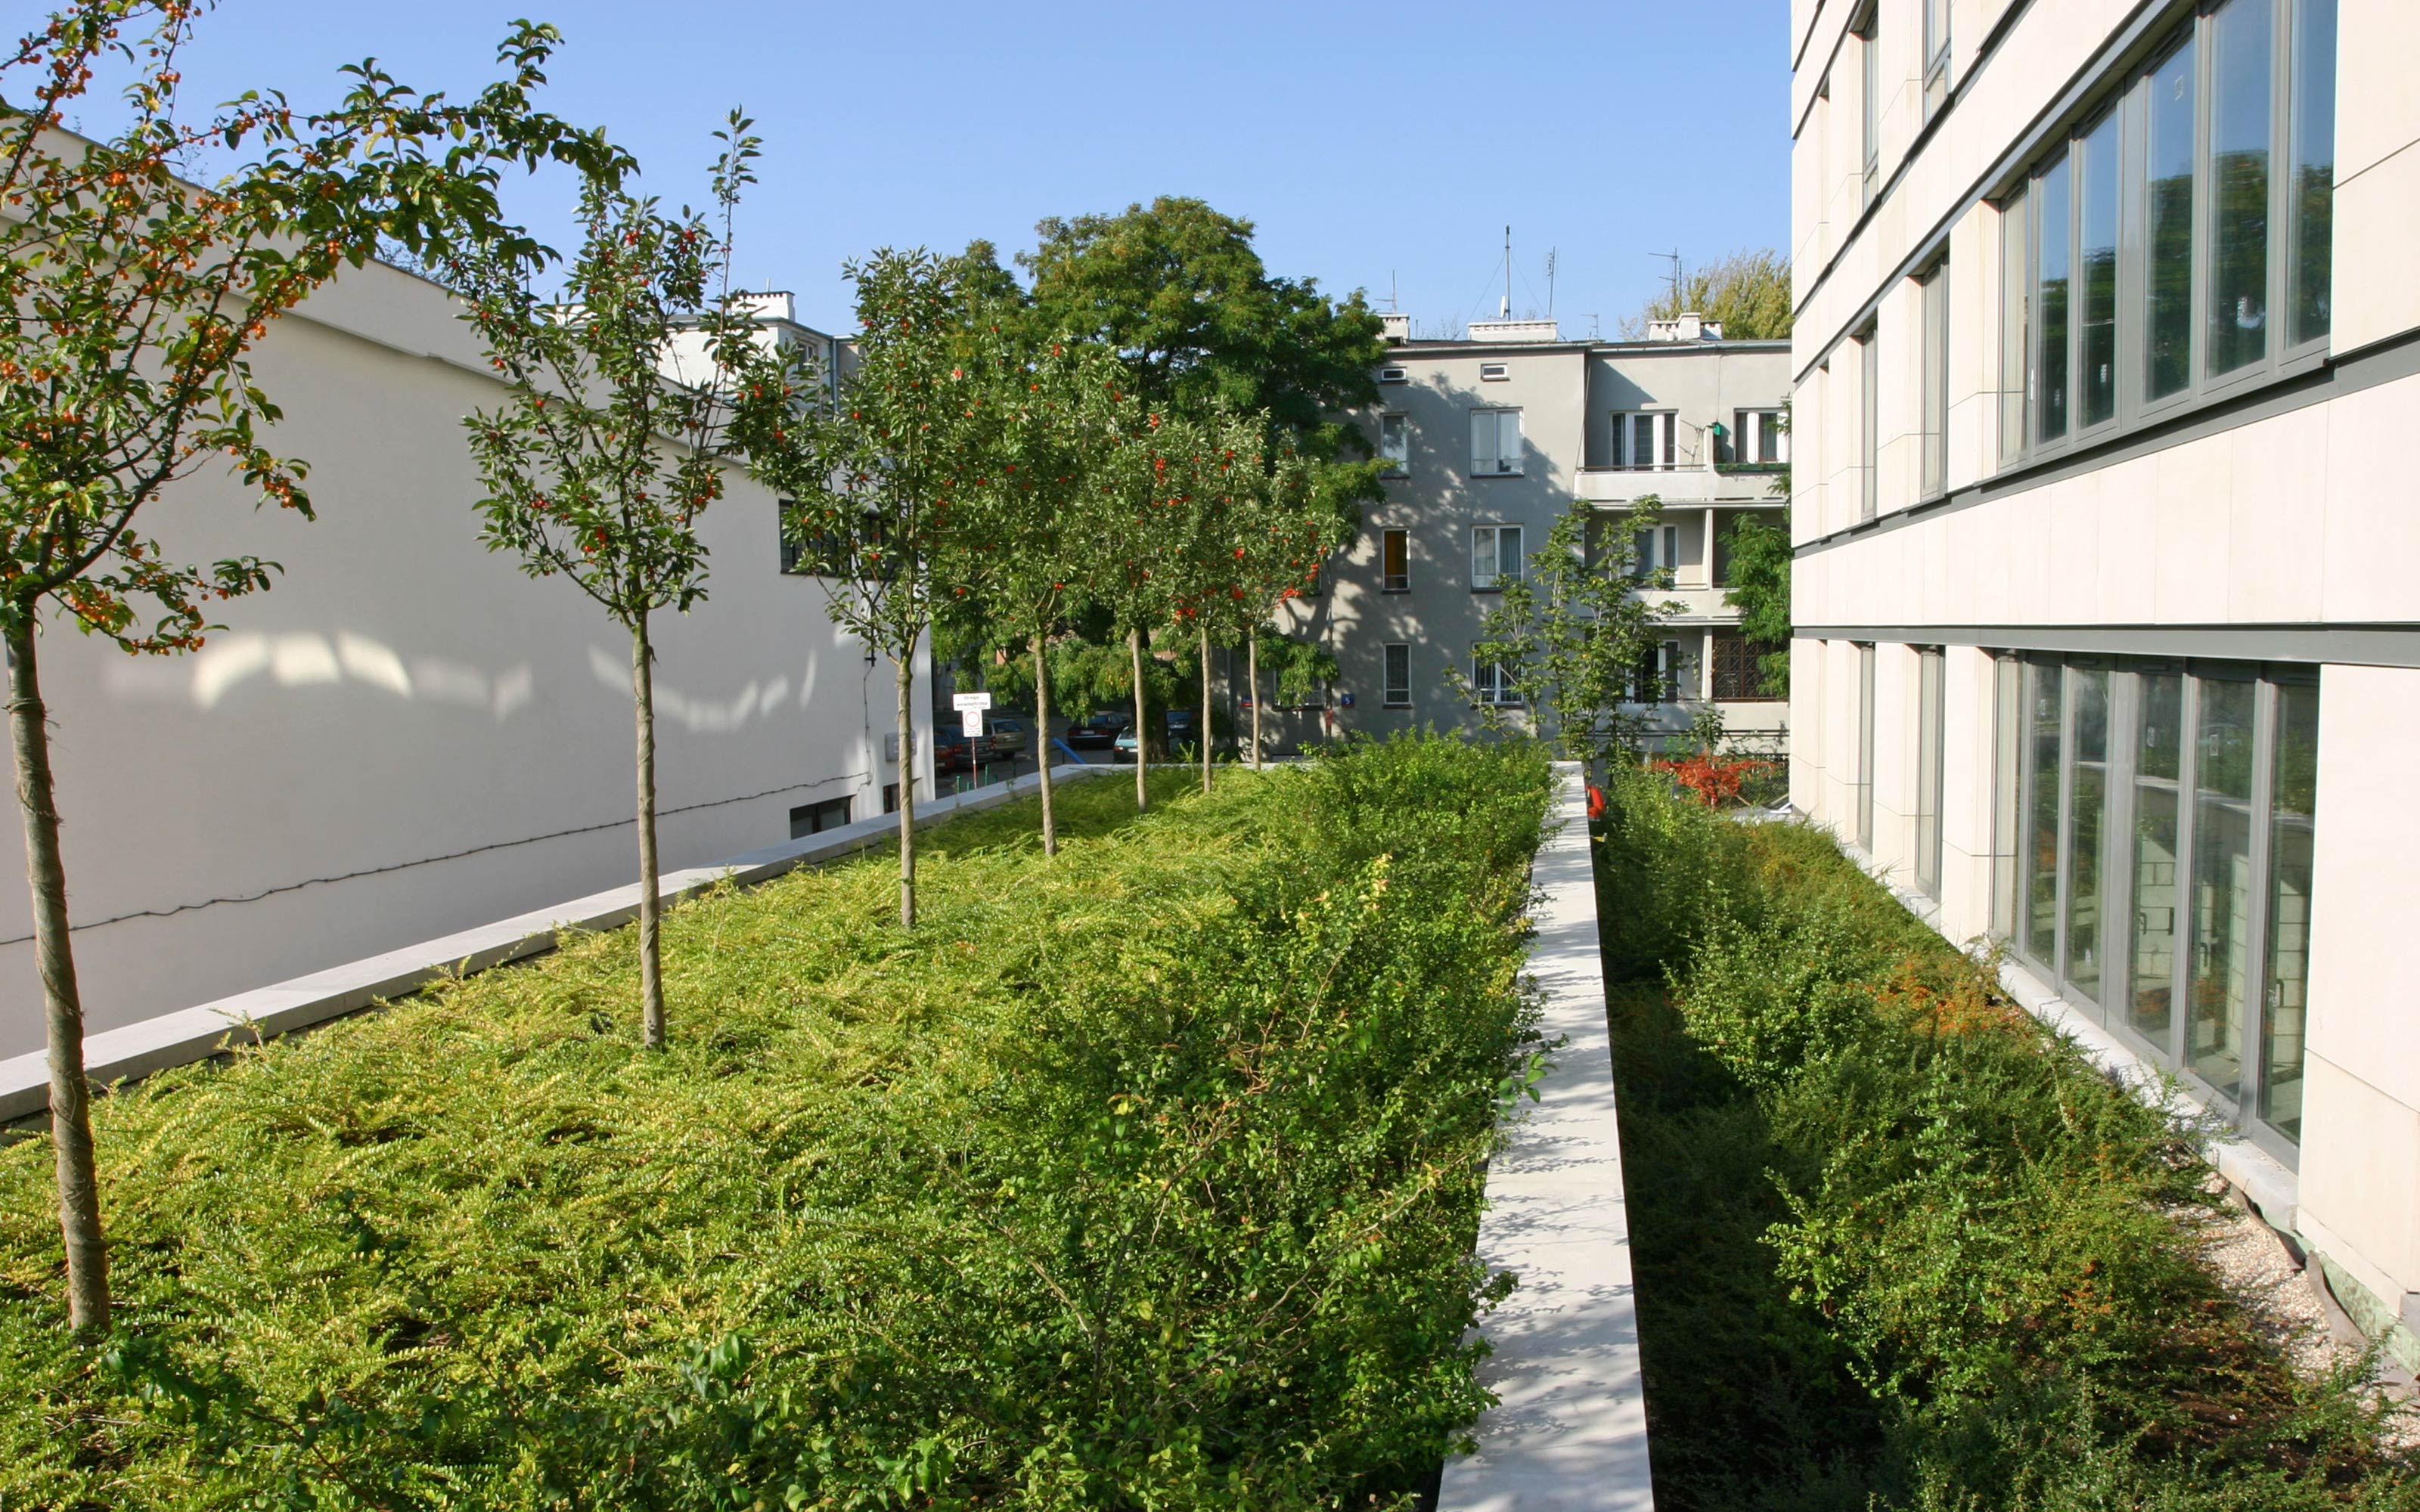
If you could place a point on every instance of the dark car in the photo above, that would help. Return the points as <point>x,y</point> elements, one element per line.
<point>953,750</point>
<point>1096,730</point>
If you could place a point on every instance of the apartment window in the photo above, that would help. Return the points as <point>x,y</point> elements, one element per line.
<point>1494,442</point>
<point>1936,56</point>
<point>2165,817</point>
<point>1644,439</point>
<point>1870,377</point>
<point>1395,444</point>
<point>814,818</point>
<point>794,555</point>
<point>1490,684</point>
<point>890,798</point>
<point>1869,60</point>
<point>1493,372</point>
<point>2007,751</point>
<point>1929,730</point>
<point>1495,554</point>
<point>2163,234</point>
<point>2016,325</point>
<point>1395,554</point>
<point>1656,679</point>
<point>1737,676</point>
<point>1865,746</point>
<point>1398,693</point>
<point>1937,379</point>
<point>1658,556</point>
<point>1758,436</point>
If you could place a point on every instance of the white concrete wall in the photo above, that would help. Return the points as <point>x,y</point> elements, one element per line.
<point>406,736</point>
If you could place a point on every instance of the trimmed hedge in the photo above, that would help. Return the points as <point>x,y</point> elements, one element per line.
<point>1897,1245</point>
<point>1146,1178</point>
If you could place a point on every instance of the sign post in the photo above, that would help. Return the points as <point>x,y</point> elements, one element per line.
<point>971,708</point>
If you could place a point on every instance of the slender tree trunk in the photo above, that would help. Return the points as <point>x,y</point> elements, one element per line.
<point>1206,705</point>
<point>907,665</point>
<point>1042,744</point>
<point>1252,671</point>
<point>79,1183</point>
<point>651,903</point>
<point>1143,730</point>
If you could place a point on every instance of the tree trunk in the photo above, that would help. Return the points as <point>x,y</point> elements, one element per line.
<point>651,904</point>
<point>1042,744</point>
<point>907,665</point>
<point>1252,671</point>
<point>1143,730</point>
<point>1206,705</point>
<point>79,1183</point>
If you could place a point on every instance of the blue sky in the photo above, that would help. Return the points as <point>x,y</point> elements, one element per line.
<point>1371,144</point>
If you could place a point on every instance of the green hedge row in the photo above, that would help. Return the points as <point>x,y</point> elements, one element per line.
<point>1144,1178</point>
<point>1897,1245</point>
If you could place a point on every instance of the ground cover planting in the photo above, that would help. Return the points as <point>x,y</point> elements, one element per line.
<point>1142,1177</point>
<point>1895,1245</point>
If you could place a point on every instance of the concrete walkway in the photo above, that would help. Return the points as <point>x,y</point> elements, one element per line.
<point>1569,1427</point>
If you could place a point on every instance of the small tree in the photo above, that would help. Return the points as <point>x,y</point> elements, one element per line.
<point>1570,631</point>
<point>137,298</point>
<point>599,463</point>
<point>1288,531</point>
<point>877,479</point>
<point>1127,541</point>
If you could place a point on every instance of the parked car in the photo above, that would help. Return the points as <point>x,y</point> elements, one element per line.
<point>1011,736</point>
<point>954,752</point>
<point>1096,730</point>
<point>1122,747</point>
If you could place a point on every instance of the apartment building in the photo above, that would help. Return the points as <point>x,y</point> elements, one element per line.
<point>2108,634</point>
<point>1488,439</point>
<point>406,736</point>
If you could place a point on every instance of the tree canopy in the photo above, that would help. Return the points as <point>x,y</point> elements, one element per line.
<point>1748,291</point>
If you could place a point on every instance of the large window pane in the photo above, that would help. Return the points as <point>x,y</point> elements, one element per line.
<point>2085,805</point>
<point>2096,209</point>
<point>1870,379</point>
<point>2039,857</point>
<point>2293,791</point>
<point>2313,191</point>
<point>2169,164</point>
<point>1928,770</point>
<point>2159,744</point>
<point>2016,326</point>
<point>2222,970</point>
<point>1865,746</point>
<point>1936,380</point>
<point>2240,89</point>
<point>2051,260</point>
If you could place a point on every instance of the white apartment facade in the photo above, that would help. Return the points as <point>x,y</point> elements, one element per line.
<point>2108,636</point>
<point>406,736</point>
<point>1487,440</point>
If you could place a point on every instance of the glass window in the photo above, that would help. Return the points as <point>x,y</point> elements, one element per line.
<point>1870,59</point>
<point>1869,369</point>
<point>2016,325</point>
<point>2293,793</point>
<point>2169,163</point>
<point>1494,442</point>
<point>1490,683</point>
<point>2096,224</point>
<point>2007,748</point>
<point>2052,242</point>
<point>1495,553</point>
<point>2040,855</point>
<point>1936,56</point>
<point>2086,804</point>
<point>2220,970</point>
<point>2239,90</point>
<point>1865,746</point>
<point>1936,380</point>
<point>1399,676</point>
<point>1395,547</point>
<point>1928,769</point>
<point>2158,746</point>
<point>1395,442</point>
<point>2311,196</point>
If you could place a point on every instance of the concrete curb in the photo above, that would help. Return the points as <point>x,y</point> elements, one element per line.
<point>198,1033</point>
<point>1569,1429</point>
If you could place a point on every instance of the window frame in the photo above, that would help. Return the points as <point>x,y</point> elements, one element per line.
<point>1491,684</point>
<point>1396,463</point>
<point>1388,654</point>
<point>1865,794</point>
<point>1934,383</point>
<point>1497,531</point>
<point>2126,100</point>
<point>1932,730</point>
<point>1394,546</point>
<point>1870,139</point>
<point>1666,427</point>
<point>1869,382</point>
<point>1937,26</point>
<point>1515,459</point>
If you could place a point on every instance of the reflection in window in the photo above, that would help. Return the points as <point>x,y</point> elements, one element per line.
<point>2097,236</point>
<point>1928,769</point>
<point>2085,802</point>
<point>2050,300</point>
<point>2169,329</point>
<point>2312,194</point>
<point>2219,986</point>
<point>2158,744</point>
<point>1865,746</point>
<point>2041,856</point>
<point>2293,789</point>
<point>2240,83</point>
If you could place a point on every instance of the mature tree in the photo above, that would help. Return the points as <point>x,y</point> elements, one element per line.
<point>878,477</point>
<point>1178,290</point>
<point>1748,291</point>
<point>1570,631</point>
<point>137,298</point>
<point>1027,506</point>
<point>599,461</point>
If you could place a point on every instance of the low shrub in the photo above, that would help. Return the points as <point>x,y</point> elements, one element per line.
<point>1897,1245</point>
<point>1145,1177</point>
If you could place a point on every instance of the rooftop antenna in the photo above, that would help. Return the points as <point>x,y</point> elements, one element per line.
<point>1674,257</point>
<point>1504,311</point>
<point>1592,315</point>
<point>1550,282</point>
<point>1393,305</point>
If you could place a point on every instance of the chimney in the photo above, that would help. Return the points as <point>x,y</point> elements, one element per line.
<point>773,304</point>
<point>1396,327</point>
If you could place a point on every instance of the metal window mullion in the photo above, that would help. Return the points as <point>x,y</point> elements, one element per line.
<point>2204,201</point>
<point>2188,823</point>
<point>2120,760</point>
<point>2064,866</point>
<point>2254,1063</point>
